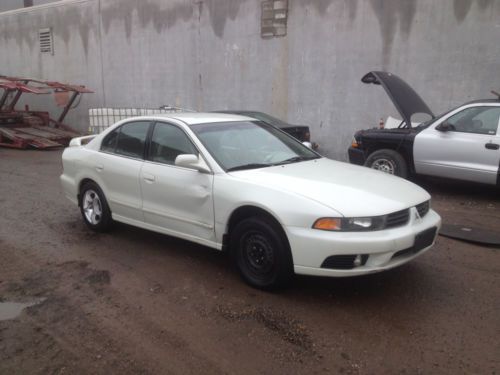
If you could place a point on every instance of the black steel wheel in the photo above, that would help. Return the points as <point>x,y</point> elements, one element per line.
<point>261,253</point>
<point>388,161</point>
<point>94,207</point>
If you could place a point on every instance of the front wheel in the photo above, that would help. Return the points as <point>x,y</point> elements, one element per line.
<point>388,161</point>
<point>261,253</point>
<point>94,208</point>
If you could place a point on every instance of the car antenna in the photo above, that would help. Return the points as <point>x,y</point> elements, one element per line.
<point>496,94</point>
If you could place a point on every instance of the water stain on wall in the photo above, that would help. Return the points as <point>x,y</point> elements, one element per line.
<point>163,17</point>
<point>352,6</point>
<point>321,6</point>
<point>147,11</point>
<point>462,8</point>
<point>389,13</point>
<point>220,11</point>
<point>20,28</point>
<point>279,89</point>
<point>66,19</point>
<point>23,27</point>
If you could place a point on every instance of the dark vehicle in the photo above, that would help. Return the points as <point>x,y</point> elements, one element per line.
<point>301,132</point>
<point>462,144</point>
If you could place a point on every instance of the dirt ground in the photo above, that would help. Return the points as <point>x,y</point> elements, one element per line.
<point>133,302</point>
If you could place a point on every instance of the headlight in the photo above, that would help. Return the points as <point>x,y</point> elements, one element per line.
<point>350,224</point>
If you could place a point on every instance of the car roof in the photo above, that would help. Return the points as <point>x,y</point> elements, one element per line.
<point>485,101</point>
<point>193,118</point>
<point>237,111</point>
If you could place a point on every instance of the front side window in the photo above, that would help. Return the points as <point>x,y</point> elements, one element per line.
<point>479,120</point>
<point>168,142</point>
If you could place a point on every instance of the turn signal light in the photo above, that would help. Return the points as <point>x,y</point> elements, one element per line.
<point>328,223</point>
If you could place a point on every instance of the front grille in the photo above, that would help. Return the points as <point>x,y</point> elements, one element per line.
<point>423,208</point>
<point>397,219</point>
<point>343,262</point>
<point>422,240</point>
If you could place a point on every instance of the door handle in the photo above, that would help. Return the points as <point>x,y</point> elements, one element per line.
<point>148,177</point>
<point>492,146</point>
<point>99,167</point>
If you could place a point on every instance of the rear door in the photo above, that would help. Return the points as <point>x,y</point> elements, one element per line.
<point>176,200</point>
<point>118,165</point>
<point>468,150</point>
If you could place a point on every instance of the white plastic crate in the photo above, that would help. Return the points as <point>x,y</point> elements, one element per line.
<point>102,118</point>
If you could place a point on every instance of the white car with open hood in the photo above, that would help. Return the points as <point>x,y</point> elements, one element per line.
<point>234,183</point>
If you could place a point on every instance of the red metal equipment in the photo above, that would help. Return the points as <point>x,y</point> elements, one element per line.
<point>23,129</point>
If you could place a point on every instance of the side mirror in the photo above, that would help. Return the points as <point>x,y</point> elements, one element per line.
<point>307,144</point>
<point>192,161</point>
<point>444,127</point>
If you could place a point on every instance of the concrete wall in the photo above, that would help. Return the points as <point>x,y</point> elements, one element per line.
<point>6,5</point>
<point>209,55</point>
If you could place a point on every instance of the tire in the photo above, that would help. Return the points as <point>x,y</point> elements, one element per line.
<point>261,253</point>
<point>94,208</point>
<point>388,161</point>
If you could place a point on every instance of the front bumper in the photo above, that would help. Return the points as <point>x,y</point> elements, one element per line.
<point>311,247</point>
<point>356,156</point>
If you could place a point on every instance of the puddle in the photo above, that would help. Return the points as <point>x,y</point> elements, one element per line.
<point>11,310</point>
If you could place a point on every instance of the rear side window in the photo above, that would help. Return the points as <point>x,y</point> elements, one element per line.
<point>109,143</point>
<point>167,142</point>
<point>130,139</point>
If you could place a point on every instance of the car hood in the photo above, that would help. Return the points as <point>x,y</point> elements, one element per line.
<point>405,99</point>
<point>352,191</point>
<point>388,133</point>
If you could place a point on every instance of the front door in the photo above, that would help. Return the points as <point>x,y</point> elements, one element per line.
<point>469,149</point>
<point>178,201</point>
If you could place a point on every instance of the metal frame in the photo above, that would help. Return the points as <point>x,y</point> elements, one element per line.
<point>25,128</point>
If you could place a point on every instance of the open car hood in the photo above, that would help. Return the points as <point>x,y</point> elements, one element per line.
<point>405,99</point>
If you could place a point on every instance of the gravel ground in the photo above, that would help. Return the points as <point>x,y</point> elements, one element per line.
<point>133,302</point>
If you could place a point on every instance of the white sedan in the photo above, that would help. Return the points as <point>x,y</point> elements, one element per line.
<point>233,183</point>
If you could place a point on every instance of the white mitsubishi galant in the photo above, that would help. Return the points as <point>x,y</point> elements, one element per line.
<point>232,182</point>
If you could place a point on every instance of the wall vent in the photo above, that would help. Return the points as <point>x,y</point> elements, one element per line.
<point>46,41</point>
<point>274,18</point>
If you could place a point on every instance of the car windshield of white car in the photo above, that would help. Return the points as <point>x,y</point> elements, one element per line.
<point>250,144</point>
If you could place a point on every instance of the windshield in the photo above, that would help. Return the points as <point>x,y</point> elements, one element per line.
<point>428,122</point>
<point>267,118</point>
<point>250,144</point>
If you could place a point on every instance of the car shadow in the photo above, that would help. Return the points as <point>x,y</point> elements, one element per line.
<point>457,189</point>
<point>157,242</point>
<point>409,278</point>
<point>387,287</point>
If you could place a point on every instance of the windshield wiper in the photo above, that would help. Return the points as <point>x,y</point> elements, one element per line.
<point>248,166</point>
<point>296,159</point>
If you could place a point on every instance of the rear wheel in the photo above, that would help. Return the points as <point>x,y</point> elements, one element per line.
<point>94,208</point>
<point>261,253</point>
<point>388,161</point>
